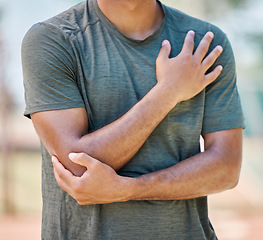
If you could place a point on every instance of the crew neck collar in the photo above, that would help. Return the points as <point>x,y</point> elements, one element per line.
<point>111,27</point>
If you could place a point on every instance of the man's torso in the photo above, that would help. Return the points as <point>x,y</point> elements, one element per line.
<point>112,73</point>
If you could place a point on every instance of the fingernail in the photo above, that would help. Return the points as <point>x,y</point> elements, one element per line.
<point>210,34</point>
<point>72,155</point>
<point>220,48</point>
<point>52,159</point>
<point>165,42</point>
<point>191,32</point>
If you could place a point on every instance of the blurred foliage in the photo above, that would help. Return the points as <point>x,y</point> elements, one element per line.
<point>236,3</point>
<point>257,38</point>
<point>215,9</point>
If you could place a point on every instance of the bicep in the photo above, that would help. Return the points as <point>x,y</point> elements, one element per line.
<point>60,131</point>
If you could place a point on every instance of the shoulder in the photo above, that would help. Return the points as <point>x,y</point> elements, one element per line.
<point>66,24</point>
<point>182,22</point>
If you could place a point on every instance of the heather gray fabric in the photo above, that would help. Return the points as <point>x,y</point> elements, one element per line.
<point>79,59</point>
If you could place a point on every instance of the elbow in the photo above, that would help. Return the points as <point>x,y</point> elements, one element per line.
<point>235,179</point>
<point>232,182</point>
<point>231,174</point>
<point>62,152</point>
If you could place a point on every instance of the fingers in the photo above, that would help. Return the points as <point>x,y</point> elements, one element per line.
<point>203,47</point>
<point>63,176</point>
<point>165,50</point>
<point>189,44</point>
<point>207,62</point>
<point>210,77</point>
<point>212,57</point>
<point>83,159</point>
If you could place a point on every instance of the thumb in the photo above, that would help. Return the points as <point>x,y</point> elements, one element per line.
<point>165,49</point>
<point>82,159</point>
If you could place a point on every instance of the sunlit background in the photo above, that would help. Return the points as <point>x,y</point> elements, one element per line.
<point>235,214</point>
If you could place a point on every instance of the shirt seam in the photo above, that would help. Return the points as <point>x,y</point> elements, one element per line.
<point>225,125</point>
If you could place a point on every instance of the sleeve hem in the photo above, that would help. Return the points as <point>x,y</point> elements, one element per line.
<point>50,107</point>
<point>222,127</point>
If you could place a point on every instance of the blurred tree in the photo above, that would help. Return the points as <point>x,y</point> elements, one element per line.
<point>5,146</point>
<point>214,9</point>
<point>236,3</point>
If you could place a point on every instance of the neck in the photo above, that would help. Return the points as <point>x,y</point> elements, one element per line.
<point>137,19</point>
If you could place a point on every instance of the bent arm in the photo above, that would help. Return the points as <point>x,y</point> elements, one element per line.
<point>179,79</point>
<point>214,170</point>
<point>65,131</point>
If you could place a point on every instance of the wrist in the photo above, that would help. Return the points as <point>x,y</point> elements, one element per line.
<point>128,189</point>
<point>165,94</point>
<point>136,188</point>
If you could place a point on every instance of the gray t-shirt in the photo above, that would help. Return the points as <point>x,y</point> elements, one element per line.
<point>79,59</point>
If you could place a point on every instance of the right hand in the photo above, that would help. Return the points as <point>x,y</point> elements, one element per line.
<point>184,76</point>
<point>99,184</point>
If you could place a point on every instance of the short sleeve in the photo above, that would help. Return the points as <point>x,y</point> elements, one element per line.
<point>222,103</point>
<point>48,71</point>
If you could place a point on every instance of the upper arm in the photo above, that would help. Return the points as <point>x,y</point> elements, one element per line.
<point>226,146</point>
<point>52,96</point>
<point>223,119</point>
<point>49,70</point>
<point>60,131</point>
<point>223,108</point>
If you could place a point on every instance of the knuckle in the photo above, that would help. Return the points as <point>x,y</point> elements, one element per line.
<point>209,61</point>
<point>78,187</point>
<point>204,47</point>
<point>60,174</point>
<point>212,57</point>
<point>188,57</point>
<point>196,64</point>
<point>95,165</point>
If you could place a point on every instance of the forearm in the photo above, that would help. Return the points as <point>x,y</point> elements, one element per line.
<point>178,79</point>
<point>198,176</point>
<point>214,170</point>
<point>116,143</point>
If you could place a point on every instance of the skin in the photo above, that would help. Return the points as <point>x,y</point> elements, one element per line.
<point>209,172</point>
<point>106,150</point>
<point>131,18</point>
<point>116,144</point>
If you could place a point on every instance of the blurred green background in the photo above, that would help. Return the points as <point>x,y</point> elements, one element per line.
<point>235,214</point>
